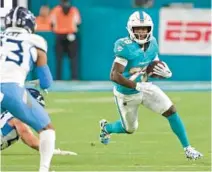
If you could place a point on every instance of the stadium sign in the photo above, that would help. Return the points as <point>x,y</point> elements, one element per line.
<point>185,32</point>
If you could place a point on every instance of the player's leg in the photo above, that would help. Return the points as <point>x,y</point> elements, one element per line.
<point>128,123</point>
<point>24,107</point>
<point>46,146</point>
<point>156,100</point>
<point>46,134</point>
<point>179,129</point>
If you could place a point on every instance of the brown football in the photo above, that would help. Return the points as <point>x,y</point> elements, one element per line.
<point>150,68</point>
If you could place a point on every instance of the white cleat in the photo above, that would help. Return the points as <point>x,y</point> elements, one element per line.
<point>104,136</point>
<point>62,152</point>
<point>191,153</point>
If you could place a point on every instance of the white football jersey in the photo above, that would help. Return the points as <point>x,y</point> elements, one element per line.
<point>18,54</point>
<point>8,134</point>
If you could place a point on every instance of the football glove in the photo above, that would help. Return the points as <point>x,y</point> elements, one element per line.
<point>162,70</point>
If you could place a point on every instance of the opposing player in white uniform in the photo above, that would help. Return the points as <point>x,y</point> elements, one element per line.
<point>11,129</point>
<point>132,56</point>
<point>20,51</point>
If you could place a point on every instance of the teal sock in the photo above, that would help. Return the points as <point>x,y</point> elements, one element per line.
<point>115,127</point>
<point>178,128</point>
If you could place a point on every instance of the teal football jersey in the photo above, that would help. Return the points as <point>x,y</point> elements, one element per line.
<point>137,59</point>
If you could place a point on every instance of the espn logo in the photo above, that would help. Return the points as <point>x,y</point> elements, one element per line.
<point>188,31</point>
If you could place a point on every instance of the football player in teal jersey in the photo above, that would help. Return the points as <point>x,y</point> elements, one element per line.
<point>133,54</point>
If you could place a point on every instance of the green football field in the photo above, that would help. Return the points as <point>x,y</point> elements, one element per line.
<point>152,148</point>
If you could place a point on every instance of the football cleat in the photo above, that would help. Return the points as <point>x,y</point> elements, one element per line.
<point>104,135</point>
<point>62,152</point>
<point>191,153</point>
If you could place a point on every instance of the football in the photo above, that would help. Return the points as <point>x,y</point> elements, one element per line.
<point>150,68</point>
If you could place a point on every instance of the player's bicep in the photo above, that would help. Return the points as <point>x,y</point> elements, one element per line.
<point>121,61</point>
<point>118,67</point>
<point>119,64</point>
<point>20,127</point>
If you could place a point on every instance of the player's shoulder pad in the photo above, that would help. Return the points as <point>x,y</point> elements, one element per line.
<point>122,47</point>
<point>39,42</point>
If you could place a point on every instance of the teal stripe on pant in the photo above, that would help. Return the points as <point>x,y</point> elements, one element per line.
<point>119,110</point>
<point>116,127</point>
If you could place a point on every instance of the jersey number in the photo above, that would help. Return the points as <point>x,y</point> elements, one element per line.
<point>18,58</point>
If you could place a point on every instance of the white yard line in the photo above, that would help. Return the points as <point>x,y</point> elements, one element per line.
<point>55,110</point>
<point>129,166</point>
<point>85,100</point>
<point>96,100</point>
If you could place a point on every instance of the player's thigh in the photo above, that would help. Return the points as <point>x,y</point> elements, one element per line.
<point>24,107</point>
<point>156,100</point>
<point>39,117</point>
<point>128,111</point>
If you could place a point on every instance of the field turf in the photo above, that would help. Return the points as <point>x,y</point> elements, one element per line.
<point>152,148</point>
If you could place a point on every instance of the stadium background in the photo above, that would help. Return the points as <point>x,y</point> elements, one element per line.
<point>103,22</point>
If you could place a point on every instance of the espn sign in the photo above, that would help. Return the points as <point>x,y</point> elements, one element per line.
<point>188,31</point>
<point>185,32</point>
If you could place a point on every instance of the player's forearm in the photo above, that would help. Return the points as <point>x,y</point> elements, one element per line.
<point>36,147</point>
<point>34,143</point>
<point>30,139</point>
<point>120,79</point>
<point>45,77</point>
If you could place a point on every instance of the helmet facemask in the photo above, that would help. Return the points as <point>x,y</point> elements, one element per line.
<point>142,33</point>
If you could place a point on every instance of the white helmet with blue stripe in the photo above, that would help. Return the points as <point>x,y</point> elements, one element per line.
<point>140,19</point>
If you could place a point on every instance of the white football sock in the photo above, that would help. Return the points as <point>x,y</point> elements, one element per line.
<point>46,149</point>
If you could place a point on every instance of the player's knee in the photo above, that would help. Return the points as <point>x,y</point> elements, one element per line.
<point>132,129</point>
<point>48,127</point>
<point>170,111</point>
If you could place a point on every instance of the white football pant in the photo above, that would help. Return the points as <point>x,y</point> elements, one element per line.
<point>152,97</point>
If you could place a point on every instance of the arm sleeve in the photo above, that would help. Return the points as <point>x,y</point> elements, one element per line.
<point>45,77</point>
<point>121,61</point>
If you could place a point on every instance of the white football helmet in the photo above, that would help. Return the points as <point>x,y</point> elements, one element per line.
<point>140,19</point>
